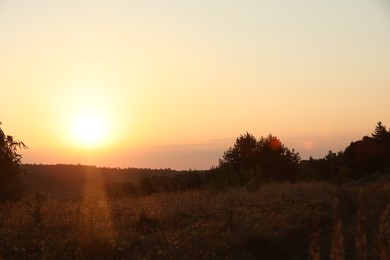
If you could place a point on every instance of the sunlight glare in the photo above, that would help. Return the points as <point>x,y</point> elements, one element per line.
<point>90,129</point>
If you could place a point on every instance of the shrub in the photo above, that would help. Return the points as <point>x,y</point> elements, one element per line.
<point>10,171</point>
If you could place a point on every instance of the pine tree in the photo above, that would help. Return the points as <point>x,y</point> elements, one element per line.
<point>380,133</point>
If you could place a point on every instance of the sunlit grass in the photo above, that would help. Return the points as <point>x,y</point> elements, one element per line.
<point>274,221</point>
<point>96,212</point>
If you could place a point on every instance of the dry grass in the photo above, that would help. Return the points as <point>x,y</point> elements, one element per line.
<point>274,221</point>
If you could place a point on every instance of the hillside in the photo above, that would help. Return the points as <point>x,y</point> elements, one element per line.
<point>69,180</point>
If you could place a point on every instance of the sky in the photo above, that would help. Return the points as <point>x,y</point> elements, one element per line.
<point>172,84</point>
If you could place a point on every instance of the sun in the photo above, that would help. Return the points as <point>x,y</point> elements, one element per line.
<point>90,115</point>
<point>90,129</point>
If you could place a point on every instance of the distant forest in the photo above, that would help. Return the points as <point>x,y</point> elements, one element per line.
<point>250,162</point>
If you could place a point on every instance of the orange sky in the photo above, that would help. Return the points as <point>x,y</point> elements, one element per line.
<point>172,83</point>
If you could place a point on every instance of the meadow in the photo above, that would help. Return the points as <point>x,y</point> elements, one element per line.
<point>307,220</point>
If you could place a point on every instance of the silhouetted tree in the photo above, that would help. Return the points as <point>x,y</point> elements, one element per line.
<point>250,160</point>
<point>244,153</point>
<point>371,154</point>
<point>329,168</point>
<point>333,163</point>
<point>275,161</point>
<point>10,171</point>
<point>380,133</point>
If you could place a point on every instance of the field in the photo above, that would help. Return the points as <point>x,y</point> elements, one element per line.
<point>273,221</point>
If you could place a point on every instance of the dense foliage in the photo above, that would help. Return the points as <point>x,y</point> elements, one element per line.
<point>256,161</point>
<point>371,154</point>
<point>10,171</point>
<point>252,161</point>
<point>363,158</point>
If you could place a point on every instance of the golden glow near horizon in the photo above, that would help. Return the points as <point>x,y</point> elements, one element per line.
<point>173,83</point>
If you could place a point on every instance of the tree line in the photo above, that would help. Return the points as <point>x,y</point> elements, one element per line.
<point>249,161</point>
<point>267,159</point>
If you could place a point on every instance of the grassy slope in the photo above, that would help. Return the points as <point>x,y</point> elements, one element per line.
<point>274,221</point>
